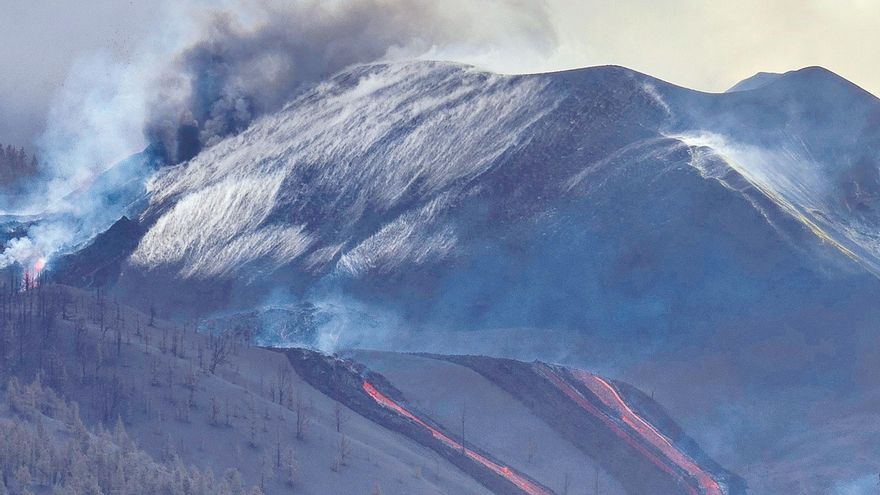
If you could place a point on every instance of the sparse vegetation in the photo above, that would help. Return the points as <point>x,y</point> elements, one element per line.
<point>342,454</point>
<point>88,360</point>
<point>340,416</point>
<point>46,446</point>
<point>303,418</point>
<point>187,397</point>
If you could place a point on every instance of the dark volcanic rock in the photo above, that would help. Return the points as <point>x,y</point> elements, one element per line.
<point>98,264</point>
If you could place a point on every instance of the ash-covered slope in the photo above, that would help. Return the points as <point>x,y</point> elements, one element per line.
<point>361,159</point>
<point>208,409</point>
<point>810,141</point>
<point>355,177</point>
<point>456,198</point>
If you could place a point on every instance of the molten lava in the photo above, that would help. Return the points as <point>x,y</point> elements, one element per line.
<point>611,398</point>
<point>640,431</point>
<point>38,267</point>
<point>31,276</point>
<point>585,404</point>
<point>506,472</point>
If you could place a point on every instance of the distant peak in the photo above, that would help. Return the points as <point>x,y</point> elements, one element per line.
<point>813,69</point>
<point>815,73</point>
<point>822,80</point>
<point>814,79</point>
<point>754,82</point>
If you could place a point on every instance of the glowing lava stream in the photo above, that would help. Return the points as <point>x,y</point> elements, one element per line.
<point>31,278</point>
<point>609,396</point>
<point>38,267</point>
<point>521,482</point>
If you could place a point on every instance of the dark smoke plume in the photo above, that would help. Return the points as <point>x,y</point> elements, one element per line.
<point>251,59</point>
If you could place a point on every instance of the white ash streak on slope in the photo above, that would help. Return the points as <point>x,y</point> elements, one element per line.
<point>218,228</point>
<point>412,238</point>
<point>438,125</point>
<point>798,185</point>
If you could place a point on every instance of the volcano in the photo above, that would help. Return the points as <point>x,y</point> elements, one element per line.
<point>479,193</point>
<point>719,249</point>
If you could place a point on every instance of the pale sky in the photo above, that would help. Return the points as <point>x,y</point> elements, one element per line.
<point>706,45</point>
<point>710,45</point>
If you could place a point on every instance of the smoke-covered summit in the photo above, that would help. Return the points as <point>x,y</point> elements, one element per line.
<point>364,172</point>
<point>207,72</point>
<point>251,58</point>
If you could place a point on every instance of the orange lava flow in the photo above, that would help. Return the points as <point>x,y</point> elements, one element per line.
<point>38,266</point>
<point>611,398</point>
<point>521,482</point>
<point>31,278</point>
<point>585,404</point>
<point>646,431</point>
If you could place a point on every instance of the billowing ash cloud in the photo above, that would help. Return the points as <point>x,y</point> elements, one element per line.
<point>251,58</point>
<point>213,67</point>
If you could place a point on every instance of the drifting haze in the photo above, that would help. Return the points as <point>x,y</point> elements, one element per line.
<point>704,45</point>
<point>251,58</point>
<point>209,68</point>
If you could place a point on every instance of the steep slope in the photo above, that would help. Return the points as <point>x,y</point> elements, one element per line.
<point>426,176</point>
<point>98,263</point>
<point>368,143</point>
<point>808,141</point>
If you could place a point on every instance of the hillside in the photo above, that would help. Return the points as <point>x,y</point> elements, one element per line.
<point>448,197</point>
<point>160,402</point>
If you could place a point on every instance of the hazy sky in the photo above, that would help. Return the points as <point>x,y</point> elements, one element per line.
<point>40,39</point>
<point>707,45</point>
